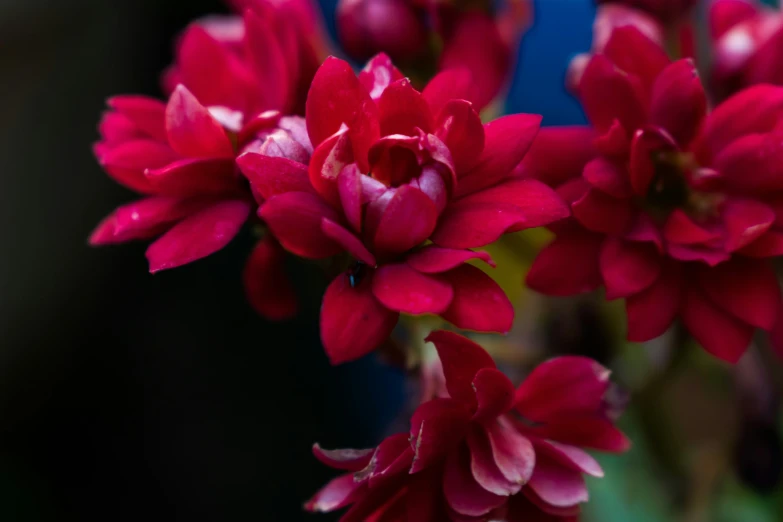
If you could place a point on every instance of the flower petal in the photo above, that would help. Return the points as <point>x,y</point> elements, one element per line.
<point>378,74</point>
<point>609,177</point>
<point>437,427</point>
<point>399,287</point>
<point>634,52</point>
<point>570,457</point>
<point>195,177</point>
<point>463,494</point>
<point>600,212</point>
<point>268,60</point>
<point>745,220</point>
<point>554,271</point>
<point>753,164</point>
<point>679,103</point>
<point>494,393</point>
<point>295,219</point>
<point>647,143</point>
<point>717,331</point>
<point>506,141</point>
<point>681,229</point>
<point>349,187</point>
<point>344,459</point>
<point>403,109</point>
<point>512,451</point>
<point>353,322</point>
<point>479,303</point>
<point>337,494</point>
<point>198,235</point>
<point>144,219</point>
<point>348,241</point>
<point>745,288</point>
<point>628,267</point>
<point>608,93</point>
<point>270,176</point>
<point>558,154</point>
<point>126,163</point>
<point>652,311</point>
<point>147,114</point>
<point>267,285</point>
<point>450,84</point>
<point>460,128</point>
<point>483,467</point>
<point>556,485</point>
<point>561,387</point>
<point>408,220</point>
<point>192,130</point>
<point>329,159</point>
<point>435,260</point>
<point>462,359</point>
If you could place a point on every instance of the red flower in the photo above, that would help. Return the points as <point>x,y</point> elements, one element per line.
<point>674,210</point>
<point>486,451</point>
<point>262,61</point>
<point>747,40</point>
<point>665,10</point>
<point>392,169</point>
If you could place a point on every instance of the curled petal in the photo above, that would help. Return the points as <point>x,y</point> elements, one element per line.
<point>462,359</point>
<point>192,130</point>
<point>570,457</point>
<point>295,219</point>
<point>679,103</point>
<point>353,322</point>
<point>127,162</point>
<point>479,303</point>
<point>344,459</point>
<point>483,466</point>
<point>270,176</point>
<point>197,236</point>
<point>646,143</point>
<point>399,287</point>
<point>329,159</point>
<point>403,109</point>
<point>463,494</point>
<point>556,485</point>
<point>512,451</point>
<point>337,494</point>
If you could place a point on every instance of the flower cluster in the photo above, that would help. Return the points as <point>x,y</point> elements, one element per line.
<point>393,169</point>
<point>486,451</point>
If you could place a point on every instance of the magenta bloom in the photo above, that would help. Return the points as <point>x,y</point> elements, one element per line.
<point>664,10</point>
<point>486,451</point>
<point>393,169</point>
<point>675,210</point>
<point>747,44</point>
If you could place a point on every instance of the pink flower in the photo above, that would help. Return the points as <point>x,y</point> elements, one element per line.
<point>392,169</point>
<point>485,451</point>
<point>747,41</point>
<point>675,210</point>
<point>264,60</point>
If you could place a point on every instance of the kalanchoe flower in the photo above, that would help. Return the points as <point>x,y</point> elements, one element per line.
<point>675,210</point>
<point>664,10</point>
<point>392,170</point>
<point>747,42</point>
<point>485,451</point>
<point>264,60</point>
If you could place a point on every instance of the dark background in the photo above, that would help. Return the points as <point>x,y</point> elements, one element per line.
<point>127,396</point>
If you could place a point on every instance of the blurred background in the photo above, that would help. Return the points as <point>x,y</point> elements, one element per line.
<point>124,395</point>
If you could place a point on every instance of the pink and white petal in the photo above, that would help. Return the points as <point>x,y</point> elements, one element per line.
<point>745,220</point>
<point>399,287</point>
<point>348,241</point>
<point>337,494</point>
<point>463,494</point>
<point>558,154</point>
<point>434,259</point>
<point>336,97</point>
<point>562,387</point>
<point>652,311</point>
<point>437,428</point>
<point>628,267</point>
<point>679,103</point>
<point>506,141</point>
<point>295,219</point>
<point>718,332</point>
<point>191,129</point>
<point>461,359</point>
<point>329,159</point>
<point>353,322</point>
<point>344,459</point>
<point>378,74</point>
<point>554,272</point>
<point>479,304</point>
<point>745,288</point>
<point>569,456</point>
<point>392,457</point>
<point>483,467</point>
<point>270,176</point>
<point>402,109</point>
<point>409,219</point>
<point>198,235</point>
<point>609,177</point>
<point>460,128</point>
<point>196,177</point>
<point>267,285</point>
<point>513,452</point>
<point>599,212</point>
<point>494,394</point>
<point>556,485</point>
<point>451,84</point>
